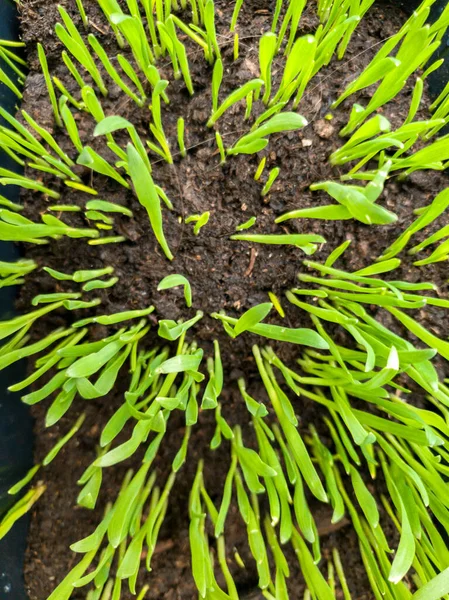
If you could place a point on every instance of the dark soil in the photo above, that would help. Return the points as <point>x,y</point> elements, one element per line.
<point>224,274</point>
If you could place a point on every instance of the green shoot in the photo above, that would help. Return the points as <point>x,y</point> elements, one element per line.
<point>74,43</point>
<point>256,140</point>
<point>355,202</point>
<point>14,273</point>
<point>48,81</point>
<point>272,176</point>
<point>82,12</point>
<point>246,225</point>
<point>115,239</point>
<point>147,195</point>
<point>112,71</point>
<point>260,169</point>
<point>276,303</point>
<point>217,77</point>
<point>111,207</point>
<point>235,96</point>
<point>267,48</point>
<point>20,508</point>
<point>235,14</point>
<point>175,280</point>
<point>199,220</point>
<point>306,242</point>
<point>221,147</point>
<point>181,133</point>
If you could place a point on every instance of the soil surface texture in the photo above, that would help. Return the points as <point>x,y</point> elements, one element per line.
<point>224,274</point>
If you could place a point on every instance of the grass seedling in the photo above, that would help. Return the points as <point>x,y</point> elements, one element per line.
<point>13,60</point>
<point>298,70</point>
<point>276,303</point>
<point>82,12</point>
<point>72,69</point>
<point>112,71</point>
<point>157,129</point>
<point>74,43</point>
<point>235,96</point>
<point>221,147</point>
<point>147,195</point>
<point>49,83</point>
<point>115,239</point>
<point>133,31</point>
<point>20,508</point>
<point>199,220</point>
<point>235,14</point>
<point>8,177</point>
<point>256,141</point>
<point>6,80</point>
<point>355,202</point>
<point>209,23</point>
<point>217,77</point>
<point>272,176</point>
<point>181,133</point>
<point>430,213</point>
<point>306,242</point>
<point>267,49</point>
<point>13,273</point>
<point>260,169</point>
<point>70,124</point>
<point>246,225</point>
<point>89,158</point>
<point>175,280</point>
<point>111,207</point>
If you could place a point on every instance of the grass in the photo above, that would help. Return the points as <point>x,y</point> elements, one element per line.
<point>375,456</point>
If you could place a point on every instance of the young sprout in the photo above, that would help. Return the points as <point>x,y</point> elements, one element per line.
<point>267,49</point>
<point>272,176</point>
<point>171,281</point>
<point>115,239</point>
<point>276,303</point>
<point>256,140</point>
<point>70,124</point>
<point>298,70</point>
<point>48,81</point>
<point>249,105</point>
<point>355,202</point>
<point>13,273</point>
<point>6,80</point>
<point>111,207</point>
<point>112,71</point>
<point>306,242</point>
<point>217,77</point>
<point>236,46</point>
<point>13,60</point>
<point>291,18</point>
<point>260,169</point>
<point>147,195</point>
<point>82,12</point>
<point>199,220</point>
<point>180,130</point>
<point>235,14</point>
<point>235,96</point>
<point>20,508</point>
<point>221,147</point>
<point>90,158</point>
<point>209,23</point>
<point>75,44</point>
<point>246,225</point>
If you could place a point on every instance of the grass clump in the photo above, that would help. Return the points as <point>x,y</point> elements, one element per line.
<point>375,456</point>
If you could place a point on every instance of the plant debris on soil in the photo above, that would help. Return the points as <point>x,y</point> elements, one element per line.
<point>224,274</point>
